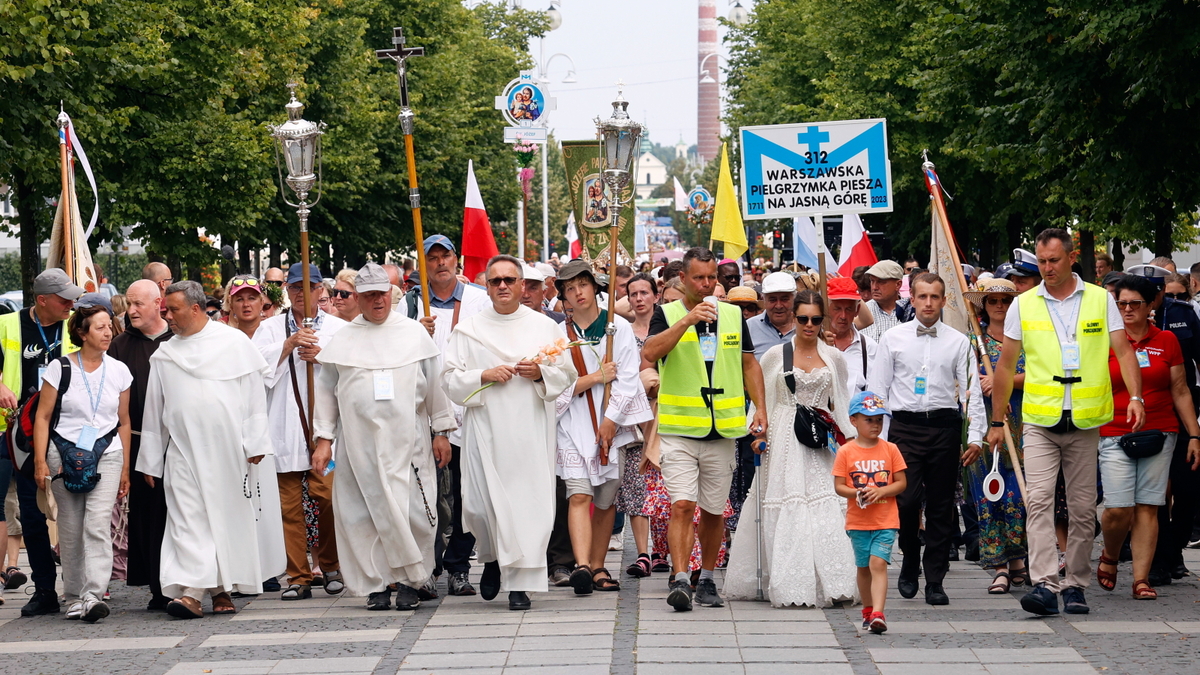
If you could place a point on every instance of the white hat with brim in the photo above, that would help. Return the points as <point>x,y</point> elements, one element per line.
<point>990,287</point>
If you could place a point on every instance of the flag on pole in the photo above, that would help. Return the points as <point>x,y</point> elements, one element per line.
<point>727,216</point>
<point>68,225</point>
<point>943,258</point>
<point>804,241</point>
<point>478,244</point>
<point>574,247</point>
<point>856,246</point>
<point>681,198</point>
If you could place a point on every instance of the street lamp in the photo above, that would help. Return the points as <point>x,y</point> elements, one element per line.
<point>738,16</point>
<point>554,15</point>
<point>706,76</point>
<point>544,69</point>
<point>299,141</point>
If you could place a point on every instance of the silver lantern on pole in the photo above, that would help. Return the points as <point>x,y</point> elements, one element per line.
<point>298,141</point>
<point>620,140</point>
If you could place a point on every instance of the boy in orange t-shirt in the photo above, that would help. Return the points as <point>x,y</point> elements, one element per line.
<point>870,473</point>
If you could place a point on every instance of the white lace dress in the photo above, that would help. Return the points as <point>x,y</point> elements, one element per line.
<point>807,560</point>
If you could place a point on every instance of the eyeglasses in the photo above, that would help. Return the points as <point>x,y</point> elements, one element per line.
<point>1130,304</point>
<point>803,320</point>
<point>495,282</point>
<point>244,282</point>
<point>323,301</point>
<point>339,293</point>
<point>1178,296</point>
<point>1005,300</point>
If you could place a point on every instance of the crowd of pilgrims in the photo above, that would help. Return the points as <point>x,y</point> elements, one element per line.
<point>724,418</point>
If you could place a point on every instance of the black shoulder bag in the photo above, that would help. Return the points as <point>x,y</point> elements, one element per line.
<point>810,429</point>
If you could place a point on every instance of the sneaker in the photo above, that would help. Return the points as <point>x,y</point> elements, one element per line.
<point>271,585</point>
<point>95,610</point>
<point>560,576</point>
<point>877,624</point>
<point>1074,602</point>
<point>1062,565</point>
<point>42,602</point>
<point>617,541</point>
<point>428,590</point>
<point>406,598</point>
<point>379,601</point>
<point>866,615</point>
<point>1194,543</point>
<point>460,584</point>
<point>706,594</point>
<point>680,596</point>
<point>75,611</point>
<point>1041,601</point>
<point>107,595</point>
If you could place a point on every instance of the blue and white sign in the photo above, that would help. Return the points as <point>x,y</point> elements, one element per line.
<point>525,105</point>
<point>791,170</point>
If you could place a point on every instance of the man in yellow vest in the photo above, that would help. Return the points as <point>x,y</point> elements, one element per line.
<point>706,360</point>
<point>1066,327</point>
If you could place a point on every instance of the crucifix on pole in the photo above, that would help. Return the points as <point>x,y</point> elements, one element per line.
<point>400,54</point>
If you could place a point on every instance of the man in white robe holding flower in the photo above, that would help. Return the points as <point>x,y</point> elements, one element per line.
<point>508,431</point>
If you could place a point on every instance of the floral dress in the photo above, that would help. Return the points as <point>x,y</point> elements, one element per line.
<point>1002,522</point>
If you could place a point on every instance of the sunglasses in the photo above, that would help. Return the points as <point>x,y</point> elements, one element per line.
<point>1178,296</point>
<point>212,312</point>
<point>275,282</point>
<point>862,479</point>
<point>338,293</point>
<point>495,282</point>
<point>244,282</point>
<point>803,320</point>
<point>1130,304</point>
<point>1000,301</point>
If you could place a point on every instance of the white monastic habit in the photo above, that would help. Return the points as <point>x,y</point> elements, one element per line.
<point>578,452</point>
<point>205,416</point>
<point>287,436</point>
<point>508,440</point>
<point>473,300</point>
<point>378,399</point>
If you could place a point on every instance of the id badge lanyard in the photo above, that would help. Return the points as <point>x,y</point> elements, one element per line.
<point>921,383</point>
<point>89,432</point>
<point>49,348</point>
<point>1070,348</point>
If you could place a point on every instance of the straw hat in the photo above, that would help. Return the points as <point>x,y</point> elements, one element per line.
<point>741,295</point>
<point>990,287</point>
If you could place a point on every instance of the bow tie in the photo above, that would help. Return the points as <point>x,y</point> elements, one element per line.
<point>931,331</point>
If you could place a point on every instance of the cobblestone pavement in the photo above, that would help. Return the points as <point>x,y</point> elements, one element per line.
<point>632,631</point>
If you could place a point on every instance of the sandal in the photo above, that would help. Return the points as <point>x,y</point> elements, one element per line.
<point>640,568</point>
<point>296,592</point>
<point>581,580</point>
<point>334,584</point>
<point>13,578</point>
<point>185,608</point>
<point>605,583</point>
<point>1142,590</point>
<point>1000,584</point>
<point>1019,577</point>
<point>1108,580</point>
<point>223,604</point>
<point>658,563</point>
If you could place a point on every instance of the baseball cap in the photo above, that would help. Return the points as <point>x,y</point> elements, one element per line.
<point>371,277</point>
<point>843,288</point>
<point>1112,278</point>
<point>55,281</point>
<point>244,282</point>
<point>1153,273</point>
<point>886,269</point>
<point>778,282</point>
<point>295,274</point>
<point>532,273</point>
<point>94,300</point>
<point>547,270</point>
<point>868,403</point>
<point>439,240</point>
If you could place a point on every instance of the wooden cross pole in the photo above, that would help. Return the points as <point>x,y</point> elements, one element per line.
<point>400,54</point>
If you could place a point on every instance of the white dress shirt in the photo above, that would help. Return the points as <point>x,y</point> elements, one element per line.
<point>858,380</point>
<point>947,363</point>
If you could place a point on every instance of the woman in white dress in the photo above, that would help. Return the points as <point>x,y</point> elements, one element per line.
<point>806,559</point>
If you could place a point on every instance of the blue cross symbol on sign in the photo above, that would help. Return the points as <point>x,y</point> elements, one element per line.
<point>791,170</point>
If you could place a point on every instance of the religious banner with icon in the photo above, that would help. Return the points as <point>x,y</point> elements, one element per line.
<point>590,199</point>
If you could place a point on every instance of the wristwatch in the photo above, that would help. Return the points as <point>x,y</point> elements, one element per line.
<point>1139,399</point>
<point>997,425</point>
<point>441,433</point>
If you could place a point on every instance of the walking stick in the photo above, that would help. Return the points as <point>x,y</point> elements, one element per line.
<point>400,54</point>
<point>762,445</point>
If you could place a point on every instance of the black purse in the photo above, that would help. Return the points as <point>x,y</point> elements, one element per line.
<point>1143,444</point>
<point>810,429</point>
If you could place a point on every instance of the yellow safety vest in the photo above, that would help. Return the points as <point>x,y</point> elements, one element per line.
<point>10,344</point>
<point>682,409</point>
<point>1091,397</point>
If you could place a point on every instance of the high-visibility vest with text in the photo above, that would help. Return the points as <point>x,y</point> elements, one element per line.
<point>690,403</point>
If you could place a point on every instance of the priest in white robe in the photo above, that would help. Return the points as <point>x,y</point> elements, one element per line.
<point>204,434</point>
<point>508,432</point>
<point>380,397</point>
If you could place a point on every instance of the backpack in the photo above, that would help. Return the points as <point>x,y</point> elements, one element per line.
<point>20,424</point>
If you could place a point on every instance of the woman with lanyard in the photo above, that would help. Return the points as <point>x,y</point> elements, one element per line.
<point>1002,545</point>
<point>93,415</point>
<point>1135,467</point>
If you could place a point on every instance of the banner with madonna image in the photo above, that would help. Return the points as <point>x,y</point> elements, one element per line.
<point>590,202</point>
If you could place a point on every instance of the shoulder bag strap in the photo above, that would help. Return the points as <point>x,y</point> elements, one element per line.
<point>581,368</point>
<point>862,345</point>
<point>788,358</point>
<point>64,383</point>
<point>454,320</point>
<point>287,331</point>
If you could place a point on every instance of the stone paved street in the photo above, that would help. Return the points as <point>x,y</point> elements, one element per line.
<point>632,631</point>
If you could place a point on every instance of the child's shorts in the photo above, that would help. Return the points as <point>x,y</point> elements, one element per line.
<point>869,543</point>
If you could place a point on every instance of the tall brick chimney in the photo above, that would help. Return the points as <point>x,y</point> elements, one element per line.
<point>708,103</point>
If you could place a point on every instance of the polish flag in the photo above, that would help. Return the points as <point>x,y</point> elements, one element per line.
<point>574,247</point>
<point>856,246</point>
<point>478,244</point>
